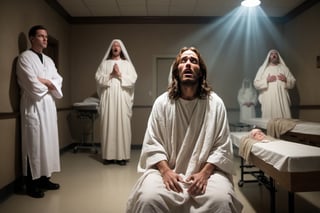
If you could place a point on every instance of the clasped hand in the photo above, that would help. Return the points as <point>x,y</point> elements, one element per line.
<point>248,104</point>
<point>197,183</point>
<point>115,72</point>
<point>272,78</point>
<point>282,77</point>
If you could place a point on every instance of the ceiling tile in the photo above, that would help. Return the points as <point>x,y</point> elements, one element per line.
<point>169,7</point>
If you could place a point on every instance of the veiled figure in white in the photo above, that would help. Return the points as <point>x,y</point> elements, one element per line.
<point>247,98</point>
<point>273,80</point>
<point>116,78</point>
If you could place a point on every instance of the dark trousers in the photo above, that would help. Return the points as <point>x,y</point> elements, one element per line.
<point>30,183</point>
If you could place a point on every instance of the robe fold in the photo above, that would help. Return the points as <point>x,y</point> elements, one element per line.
<point>39,129</point>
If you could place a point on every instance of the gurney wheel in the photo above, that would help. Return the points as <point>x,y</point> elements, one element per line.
<point>75,150</point>
<point>240,183</point>
<point>94,150</point>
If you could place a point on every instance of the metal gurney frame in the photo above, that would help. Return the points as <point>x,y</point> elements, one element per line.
<point>86,112</point>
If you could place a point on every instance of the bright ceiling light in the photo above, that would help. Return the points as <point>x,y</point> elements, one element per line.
<point>250,3</point>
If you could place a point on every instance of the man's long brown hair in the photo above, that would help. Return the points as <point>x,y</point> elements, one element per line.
<point>174,87</point>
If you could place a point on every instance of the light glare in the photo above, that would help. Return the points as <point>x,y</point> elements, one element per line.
<point>250,3</point>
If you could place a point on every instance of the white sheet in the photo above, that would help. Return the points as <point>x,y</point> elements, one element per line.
<point>283,155</point>
<point>303,127</point>
<point>90,103</point>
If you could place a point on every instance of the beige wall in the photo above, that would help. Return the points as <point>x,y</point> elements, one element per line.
<point>145,41</point>
<point>231,54</point>
<point>8,152</point>
<point>303,35</point>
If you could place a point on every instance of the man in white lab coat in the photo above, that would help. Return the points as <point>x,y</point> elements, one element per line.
<point>40,84</point>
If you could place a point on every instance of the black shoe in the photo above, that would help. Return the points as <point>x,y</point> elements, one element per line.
<point>51,186</point>
<point>46,184</point>
<point>35,192</point>
<point>122,162</point>
<point>107,162</point>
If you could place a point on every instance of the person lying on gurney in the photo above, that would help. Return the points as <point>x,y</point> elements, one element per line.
<point>254,136</point>
<point>258,134</point>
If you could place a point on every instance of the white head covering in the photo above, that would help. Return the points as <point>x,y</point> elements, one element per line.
<point>246,83</point>
<point>123,50</point>
<point>266,61</point>
<point>132,75</point>
<point>247,91</point>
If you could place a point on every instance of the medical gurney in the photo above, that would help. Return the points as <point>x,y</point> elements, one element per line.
<point>305,132</point>
<point>82,123</point>
<point>293,166</point>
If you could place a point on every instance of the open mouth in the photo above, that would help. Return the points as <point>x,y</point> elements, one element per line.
<point>187,73</point>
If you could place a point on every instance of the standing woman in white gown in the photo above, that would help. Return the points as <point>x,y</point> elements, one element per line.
<point>247,98</point>
<point>116,77</point>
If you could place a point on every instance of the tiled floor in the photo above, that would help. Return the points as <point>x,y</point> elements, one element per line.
<point>88,186</point>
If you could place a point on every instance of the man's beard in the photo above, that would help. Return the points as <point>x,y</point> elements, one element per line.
<point>115,53</point>
<point>275,60</point>
<point>189,82</point>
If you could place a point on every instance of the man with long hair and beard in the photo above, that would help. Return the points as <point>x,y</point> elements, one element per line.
<point>186,158</point>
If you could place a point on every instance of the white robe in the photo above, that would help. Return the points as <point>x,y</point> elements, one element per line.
<point>247,94</point>
<point>116,100</point>
<point>274,96</point>
<point>187,143</point>
<point>40,140</point>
